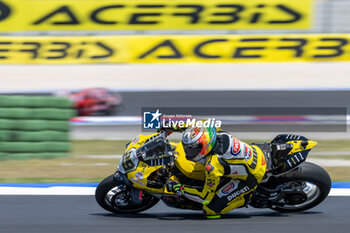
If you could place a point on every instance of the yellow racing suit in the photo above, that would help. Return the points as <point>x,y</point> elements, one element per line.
<point>231,176</point>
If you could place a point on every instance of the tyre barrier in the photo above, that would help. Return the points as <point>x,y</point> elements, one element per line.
<point>32,147</point>
<point>18,156</point>
<point>36,113</point>
<point>33,136</point>
<point>35,102</point>
<point>34,127</point>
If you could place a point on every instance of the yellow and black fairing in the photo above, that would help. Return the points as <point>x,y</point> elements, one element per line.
<point>141,174</point>
<point>144,175</point>
<point>288,151</point>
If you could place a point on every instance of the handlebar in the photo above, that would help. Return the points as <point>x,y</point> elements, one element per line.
<point>154,148</point>
<point>162,135</point>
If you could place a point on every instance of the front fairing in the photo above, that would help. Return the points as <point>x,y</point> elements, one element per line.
<point>139,176</point>
<point>129,161</point>
<point>138,172</point>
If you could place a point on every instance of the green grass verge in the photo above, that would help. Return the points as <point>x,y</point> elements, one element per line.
<point>98,147</point>
<point>79,167</point>
<point>51,180</point>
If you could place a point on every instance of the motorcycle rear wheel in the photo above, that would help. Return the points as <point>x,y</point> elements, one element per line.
<point>315,183</point>
<point>111,197</point>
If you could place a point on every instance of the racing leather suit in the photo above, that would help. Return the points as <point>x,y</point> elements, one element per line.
<point>233,169</point>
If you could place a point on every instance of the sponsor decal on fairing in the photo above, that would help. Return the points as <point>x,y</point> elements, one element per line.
<point>229,188</point>
<point>137,181</point>
<point>139,176</point>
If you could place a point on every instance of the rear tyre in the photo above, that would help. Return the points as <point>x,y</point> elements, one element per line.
<point>315,183</point>
<point>113,195</point>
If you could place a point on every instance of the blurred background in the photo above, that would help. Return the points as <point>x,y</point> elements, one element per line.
<point>76,74</point>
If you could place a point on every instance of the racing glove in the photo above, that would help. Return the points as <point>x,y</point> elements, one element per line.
<point>176,188</point>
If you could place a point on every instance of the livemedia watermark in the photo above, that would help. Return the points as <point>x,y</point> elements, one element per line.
<point>157,120</point>
<point>249,119</point>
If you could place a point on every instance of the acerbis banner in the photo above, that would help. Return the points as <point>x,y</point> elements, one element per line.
<point>174,49</point>
<point>63,50</point>
<point>38,15</point>
<point>242,48</point>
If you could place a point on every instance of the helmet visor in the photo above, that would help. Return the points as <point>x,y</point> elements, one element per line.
<point>192,151</point>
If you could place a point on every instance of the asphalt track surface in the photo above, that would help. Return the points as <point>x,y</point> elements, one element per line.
<point>57,214</point>
<point>134,101</point>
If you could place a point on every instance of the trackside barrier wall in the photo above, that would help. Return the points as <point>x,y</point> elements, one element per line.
<point>34,127</point>
<point>167,49</point>
<point>92,17</point>
<point>41,15</point>
<point>100,17</point>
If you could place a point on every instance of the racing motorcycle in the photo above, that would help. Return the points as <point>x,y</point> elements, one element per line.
<point>150,161</point>
<point>93,101</point>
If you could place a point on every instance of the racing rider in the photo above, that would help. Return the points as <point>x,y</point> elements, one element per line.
<point>233,169</point>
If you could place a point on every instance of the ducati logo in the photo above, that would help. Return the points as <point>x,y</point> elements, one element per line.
<point>239,192</point>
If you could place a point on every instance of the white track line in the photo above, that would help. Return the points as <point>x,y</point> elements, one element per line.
<point>339,192</point>
<point>48,191</point>
<point>91,191</point>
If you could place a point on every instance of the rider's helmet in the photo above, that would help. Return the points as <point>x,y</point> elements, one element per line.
<point>198,142</point>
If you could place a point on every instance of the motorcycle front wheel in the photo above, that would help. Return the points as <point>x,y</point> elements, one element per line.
<point>311,187</point>
<point>114,196</point>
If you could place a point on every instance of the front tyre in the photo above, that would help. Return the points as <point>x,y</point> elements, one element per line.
<point>312,184</point>
<point>114,196</point>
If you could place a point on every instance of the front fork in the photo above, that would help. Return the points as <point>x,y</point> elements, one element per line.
<point>135,195</point>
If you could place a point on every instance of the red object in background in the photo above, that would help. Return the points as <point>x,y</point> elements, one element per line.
<point>95,101</point>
